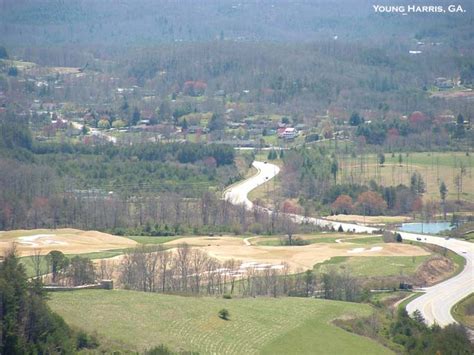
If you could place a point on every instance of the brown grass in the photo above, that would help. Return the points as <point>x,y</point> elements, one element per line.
<point>68,240</point>
<point>369,219</point>
<point>298,257</point>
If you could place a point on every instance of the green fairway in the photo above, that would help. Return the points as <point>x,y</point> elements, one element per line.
<point>137,321</point>
<point>374,265</point>
<point>152,240</point>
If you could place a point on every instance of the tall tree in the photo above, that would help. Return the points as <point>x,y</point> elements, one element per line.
<point>58,262</point>
<point>443,191</point>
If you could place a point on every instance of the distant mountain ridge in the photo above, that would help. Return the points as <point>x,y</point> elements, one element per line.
<point>142,22</point>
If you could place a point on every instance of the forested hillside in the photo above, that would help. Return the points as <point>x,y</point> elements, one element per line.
<point>146,21</point>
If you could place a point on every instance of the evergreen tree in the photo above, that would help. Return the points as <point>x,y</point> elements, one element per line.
<point>3,53</point>
<point>217,122</point>
<point>27,325</point>
<point>381,157</point>
<point>356,119</point>
<point>135,117</point>
<point>334,169</point>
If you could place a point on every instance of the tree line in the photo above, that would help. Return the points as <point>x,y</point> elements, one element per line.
<point>191,271</point>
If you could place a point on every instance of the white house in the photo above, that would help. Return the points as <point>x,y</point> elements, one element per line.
<point>288,133</point>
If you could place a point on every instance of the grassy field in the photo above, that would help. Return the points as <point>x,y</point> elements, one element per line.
<point>138,321</point>
<point>434,168</point>
<point>374,266</point>
<point>369,219</point>
<point>152,240</point>
<point>463,312</point>
<point>469,237</point>
<point>266,191</point>
<point>28,263</point>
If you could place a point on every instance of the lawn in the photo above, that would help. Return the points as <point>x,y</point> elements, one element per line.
<point>365,266</point>
<point>137,321</point>
<point>463,312</point>
<point>469,237</point>
<point>28,263</point>
<point>152,240</point>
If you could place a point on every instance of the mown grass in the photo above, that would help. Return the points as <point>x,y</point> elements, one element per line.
<point>366,266</point>
<point>405,302</point>
<point>28,262</point>
<point>139,321</point>
<point>152,240</point>
<point>469,237</point>
<point>367,240</point>
<point>463,312</point>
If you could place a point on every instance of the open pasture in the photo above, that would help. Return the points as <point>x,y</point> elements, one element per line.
<point>434,167</point>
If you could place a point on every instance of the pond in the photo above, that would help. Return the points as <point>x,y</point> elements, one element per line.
<point>426,228</point>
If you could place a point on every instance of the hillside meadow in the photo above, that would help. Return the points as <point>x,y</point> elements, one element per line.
<point>137,321</point>
<point>434,167</point>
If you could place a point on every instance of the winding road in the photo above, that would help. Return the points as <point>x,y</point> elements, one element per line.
<point>435,303</point>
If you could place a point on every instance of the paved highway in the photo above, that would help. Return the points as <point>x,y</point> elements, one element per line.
<point>436,302</point>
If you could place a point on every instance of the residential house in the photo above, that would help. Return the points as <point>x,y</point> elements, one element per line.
<point>287,133</point>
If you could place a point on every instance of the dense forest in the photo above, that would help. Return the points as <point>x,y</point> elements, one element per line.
<point>99,23</point>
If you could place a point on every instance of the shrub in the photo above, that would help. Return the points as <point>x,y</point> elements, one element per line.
<point>224,314</point>
<point>86,341</point>
<point>227,296</point>
<point>256,228</point>
<point>389,237</point>
<point>294,241</point>
<point>159,350</point>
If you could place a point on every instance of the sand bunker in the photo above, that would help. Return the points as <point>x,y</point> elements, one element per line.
<point>360,250</point>
<point>39,240</point>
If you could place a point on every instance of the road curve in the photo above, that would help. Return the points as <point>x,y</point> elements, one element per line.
<point>436,302</point>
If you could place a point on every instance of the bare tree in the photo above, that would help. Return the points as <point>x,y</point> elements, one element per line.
<point>37,261</point>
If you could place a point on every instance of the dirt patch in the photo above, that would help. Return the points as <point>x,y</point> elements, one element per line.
<point>435,269</point>
<point>297,257</point>
<point>69,241</point>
